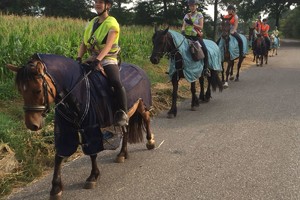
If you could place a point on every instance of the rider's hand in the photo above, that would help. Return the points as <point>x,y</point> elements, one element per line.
<point>94,65</point>
<point>188,21</point>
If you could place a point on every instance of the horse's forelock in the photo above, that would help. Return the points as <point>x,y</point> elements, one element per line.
<point>25,74</point>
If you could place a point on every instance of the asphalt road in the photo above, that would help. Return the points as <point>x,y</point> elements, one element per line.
<point>244,144</point>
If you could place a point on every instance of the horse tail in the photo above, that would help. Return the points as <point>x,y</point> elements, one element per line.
<point>216,81</point>
<point>135,128</point>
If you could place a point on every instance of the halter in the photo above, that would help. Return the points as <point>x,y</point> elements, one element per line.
<point>45,108</point>
<point>171,52</point>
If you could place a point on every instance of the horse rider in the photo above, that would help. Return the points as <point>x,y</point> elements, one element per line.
<point>234,20</point>
<point>258,24</point>
<point>276,34</point>
<point>192,28</point>
<point>264,32</point>
<point>100,40</point>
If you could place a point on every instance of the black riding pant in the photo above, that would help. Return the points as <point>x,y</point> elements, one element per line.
<point>113,76</point>
<point>268,42</point>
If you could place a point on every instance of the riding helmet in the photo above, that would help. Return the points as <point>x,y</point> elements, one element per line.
<point>192,2</point>
<point>109,1</point>
<point>231,7</point>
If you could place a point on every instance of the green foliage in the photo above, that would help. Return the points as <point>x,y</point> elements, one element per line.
<point>291,24</point>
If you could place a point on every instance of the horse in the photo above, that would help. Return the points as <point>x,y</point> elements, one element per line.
<point>229,48</point>
<point>274,45</point>
<point>252,37</point>
<point>84,104</point>
<point>181,66</point>
<point>260,50</point>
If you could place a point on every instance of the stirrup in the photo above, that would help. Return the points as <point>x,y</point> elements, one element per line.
<point>120,118</point>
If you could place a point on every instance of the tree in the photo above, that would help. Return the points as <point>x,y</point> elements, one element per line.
<point>275,7</point>
<point>18,7</point>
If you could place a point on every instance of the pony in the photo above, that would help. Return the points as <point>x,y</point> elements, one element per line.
<point>274,45</point>
<point>252,37</point>
<point>229,49</point>
<point>260,50</point>
<point>84,104</point>
<point>182,66</point>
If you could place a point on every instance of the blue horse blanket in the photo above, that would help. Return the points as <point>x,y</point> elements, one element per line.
<point>274,43</point>
<point>94,102</point>
<point>192,70</point>
<point>233,47</point>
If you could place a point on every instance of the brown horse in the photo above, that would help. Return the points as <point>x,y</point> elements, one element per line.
<point>83,105</point>
<point>163,44</point>
<point>260,51</point>
<point>226,36</point>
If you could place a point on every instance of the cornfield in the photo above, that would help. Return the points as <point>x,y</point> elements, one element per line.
<point>21,37</point>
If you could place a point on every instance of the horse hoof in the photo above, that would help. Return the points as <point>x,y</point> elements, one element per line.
<point>236,80</point>
<point>120,159</point>
<point>56,197</point>
<point>193,108</point>
<point>225,85</point>
<point>90,185</point>
<point>231,78</point>
<point>150,144</point>
<point>171,115</point>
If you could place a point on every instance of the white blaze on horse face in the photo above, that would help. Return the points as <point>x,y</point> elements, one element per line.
<point>24,88</point>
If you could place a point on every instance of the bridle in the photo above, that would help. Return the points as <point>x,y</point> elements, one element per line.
<point>166,48</point>
<point>45,108</point>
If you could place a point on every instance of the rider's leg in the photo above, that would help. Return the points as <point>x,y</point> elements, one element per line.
<point>268,42</point>
<point>240,42</point>
<point>206,71</point>
<point>113,75</point>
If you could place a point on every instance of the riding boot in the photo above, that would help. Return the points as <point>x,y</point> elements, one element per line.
<point>120,117</point>
<point>241,49</point>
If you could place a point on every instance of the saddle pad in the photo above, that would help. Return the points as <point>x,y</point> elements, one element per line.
<point>233,47</point>
<point>192,70</point>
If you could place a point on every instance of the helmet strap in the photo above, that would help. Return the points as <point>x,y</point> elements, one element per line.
<point>99,14</point>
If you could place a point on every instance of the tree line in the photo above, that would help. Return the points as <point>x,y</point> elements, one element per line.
<point>148,12</point>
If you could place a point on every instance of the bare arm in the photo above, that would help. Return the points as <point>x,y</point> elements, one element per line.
<point>82,50</point>
<point>235,26</point>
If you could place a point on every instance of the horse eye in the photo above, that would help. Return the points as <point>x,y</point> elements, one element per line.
<point>37,91</point>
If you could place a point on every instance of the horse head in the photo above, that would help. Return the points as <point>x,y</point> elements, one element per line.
<point>225,27</point>
<point>38,92</point>
<point>161,44</point>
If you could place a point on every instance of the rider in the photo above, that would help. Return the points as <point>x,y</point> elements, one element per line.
<point>264,31</point>
<point>100,39</point>
<point>276,33</point>
<point>234,25</point>
<point>258,24</point>
<point>192,27</point>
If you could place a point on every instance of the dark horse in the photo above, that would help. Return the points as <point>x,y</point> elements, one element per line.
<point>259,47</point>
<point>84,105</point>
<point>227,52</point>
<point>163,44</point>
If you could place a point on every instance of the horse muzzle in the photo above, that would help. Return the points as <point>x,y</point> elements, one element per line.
<point>34,121</point>
<point>154,60</point>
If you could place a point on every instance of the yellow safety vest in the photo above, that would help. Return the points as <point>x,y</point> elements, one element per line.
<point>94,42</point>
<point>189,29</point>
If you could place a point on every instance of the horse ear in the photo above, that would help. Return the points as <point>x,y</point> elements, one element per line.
<point>166,31</point>
<point>155,28</point>
<point>222,17</point>
<point>40,68</point>
<point>12,67</point>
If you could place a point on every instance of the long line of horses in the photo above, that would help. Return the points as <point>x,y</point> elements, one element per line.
<point>84,102</point>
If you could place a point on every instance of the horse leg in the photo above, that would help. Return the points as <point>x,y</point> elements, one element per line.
<point>123,153</point>
<point>238,69</point>
<point>227,74</point>
<point>195,101</point>
<point>91,181</point>
<point>223,72</point>
<point>208,91</point>
<point>57,186</point>
<point>173,111</point>
<point>202,92</point>
<point>231,70</point>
